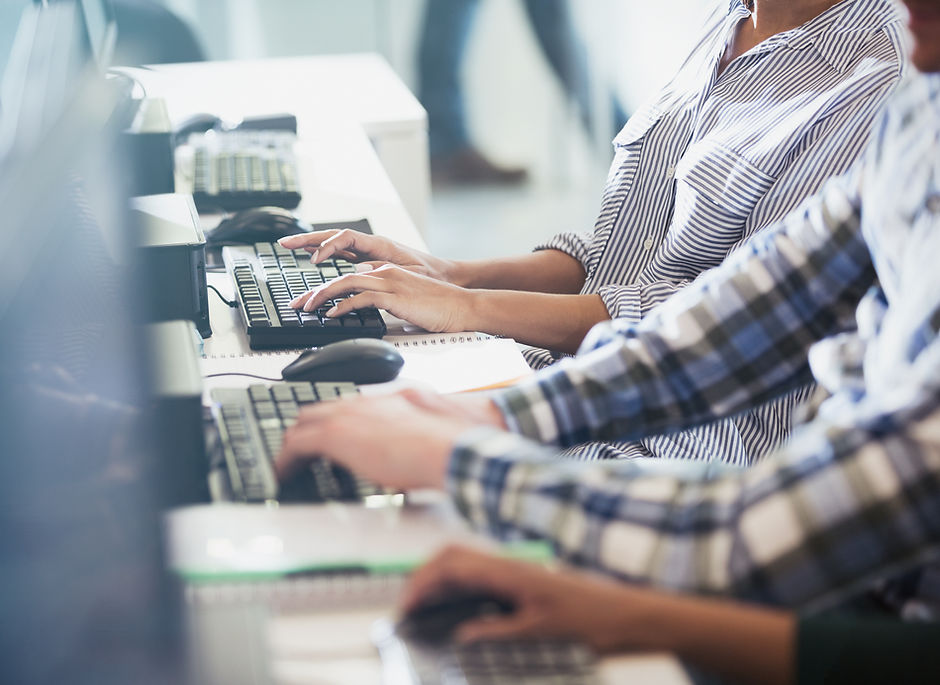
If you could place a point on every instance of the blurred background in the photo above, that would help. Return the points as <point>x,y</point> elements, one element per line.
<point>542,86</point>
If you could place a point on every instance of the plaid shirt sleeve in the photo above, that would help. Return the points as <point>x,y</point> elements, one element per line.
<point>736,337</point>
<point>846,502</point>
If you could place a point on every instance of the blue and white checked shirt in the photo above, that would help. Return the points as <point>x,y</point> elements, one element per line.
<point>713,159</point>
<point>852,499</point>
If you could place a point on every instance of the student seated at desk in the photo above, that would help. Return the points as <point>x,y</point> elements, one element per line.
<point>740,643</point>
<point>845,289</point>
<point>771,102</point>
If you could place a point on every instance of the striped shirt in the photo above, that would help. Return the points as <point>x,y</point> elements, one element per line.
<point>853,498</point>
<point>713,159</point>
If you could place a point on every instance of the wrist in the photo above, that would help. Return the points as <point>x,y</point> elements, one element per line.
<point>472,309</point>
<point>645,624</point>
<point>457,272</point>
<point>439,463</point>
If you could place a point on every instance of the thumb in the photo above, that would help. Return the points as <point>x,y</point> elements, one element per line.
<point>518,624</point>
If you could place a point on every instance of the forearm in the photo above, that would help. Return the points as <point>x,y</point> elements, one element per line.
<point>755,534</point>
<point>544,271</point>
<point>556,322</point>
<point>737,337</point>
<point>738,643</point>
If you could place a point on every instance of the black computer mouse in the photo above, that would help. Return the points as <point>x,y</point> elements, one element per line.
<point>436,620</point>
<point>197,123</point>
<point>258,225</point>
<point>360,361</point>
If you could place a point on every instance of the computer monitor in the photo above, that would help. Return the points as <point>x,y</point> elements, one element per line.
<point>100,30</point>
<point>84,594</point>
<point>99,26</point>
<point>37,83</point>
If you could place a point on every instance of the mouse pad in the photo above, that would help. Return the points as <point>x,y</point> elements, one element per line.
<point>214,253</point>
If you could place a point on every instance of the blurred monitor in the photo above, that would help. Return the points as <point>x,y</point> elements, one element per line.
<point>100,30</point>
<point>47,59</point>
<point>84,594</point>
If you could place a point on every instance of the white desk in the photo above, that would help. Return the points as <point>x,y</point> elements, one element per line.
<point>359,89</point>
<point>323,638</point>
<point>341,178</point>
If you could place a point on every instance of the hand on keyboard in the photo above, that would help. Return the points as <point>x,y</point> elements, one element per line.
<point>433,305</point>
<point>268,276</point>
<point>545,603</point>
<point>388,440</point>
<point>371,250</point>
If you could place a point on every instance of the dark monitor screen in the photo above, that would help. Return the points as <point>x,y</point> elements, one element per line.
<point>84,595</point>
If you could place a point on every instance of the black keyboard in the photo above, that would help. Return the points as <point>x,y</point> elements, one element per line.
<point>232,170</point>
<point>251,423</point>
<point>267,277</point>
<point>504,662</point>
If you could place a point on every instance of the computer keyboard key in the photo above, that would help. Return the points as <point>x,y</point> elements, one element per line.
<point>304,393</point>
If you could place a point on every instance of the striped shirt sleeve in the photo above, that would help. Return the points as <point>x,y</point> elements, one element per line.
<point>738,337</point>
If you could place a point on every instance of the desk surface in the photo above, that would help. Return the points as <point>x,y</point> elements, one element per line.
<point>322,91</point>
<point>360,88</point>
<point>341,178</point>
<point>317,637</point>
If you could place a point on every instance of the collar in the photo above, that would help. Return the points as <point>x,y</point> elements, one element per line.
<point>839,31</point>
<point>737,9</point>
<point>836,33</point>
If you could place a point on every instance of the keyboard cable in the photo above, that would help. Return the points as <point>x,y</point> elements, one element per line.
<point>231,303</point>
<point>239,373</point>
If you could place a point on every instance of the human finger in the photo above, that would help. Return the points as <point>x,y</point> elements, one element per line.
<point>337,288</point>
<point>363,300</point>
<point>297,448</point>
<point>354,244</point>
<point>521,622</point>
<point>461,567</point>
<point>307,241</point>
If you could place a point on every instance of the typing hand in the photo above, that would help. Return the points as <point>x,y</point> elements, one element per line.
<point>387,440</point>
<point>369,251</point>
<point>426,302</point>
<point>547,604</point>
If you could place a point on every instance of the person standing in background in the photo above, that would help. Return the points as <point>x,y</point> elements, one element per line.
<point>445,31</point>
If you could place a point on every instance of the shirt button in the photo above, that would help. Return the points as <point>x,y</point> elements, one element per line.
<point>933,203</point>
<point>670,171</point>
<point>648,244</point>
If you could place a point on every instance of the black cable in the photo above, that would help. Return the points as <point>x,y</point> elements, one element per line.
<point>230,303</point>
<point>238,373</point>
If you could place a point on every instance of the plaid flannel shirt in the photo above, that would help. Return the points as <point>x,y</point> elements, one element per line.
<point>853,498</point>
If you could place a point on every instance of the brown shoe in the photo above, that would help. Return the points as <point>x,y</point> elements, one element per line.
<point>467,166</point>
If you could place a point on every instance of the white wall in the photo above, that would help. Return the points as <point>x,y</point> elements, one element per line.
<point>516,110</point>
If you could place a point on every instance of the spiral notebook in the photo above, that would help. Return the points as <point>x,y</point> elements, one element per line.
<point>443,362</point>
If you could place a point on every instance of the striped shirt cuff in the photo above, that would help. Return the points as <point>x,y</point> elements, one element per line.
<point>622,302</point>
<point>575,245</point>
